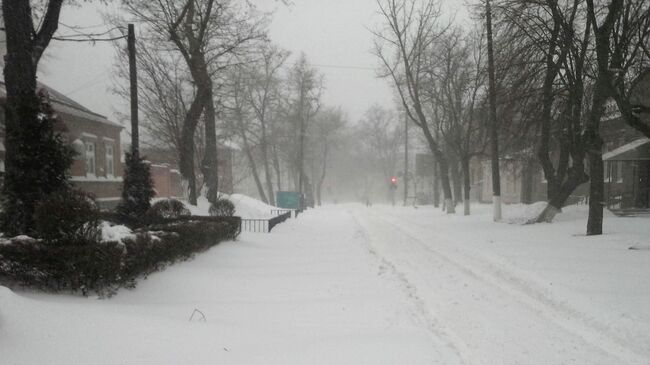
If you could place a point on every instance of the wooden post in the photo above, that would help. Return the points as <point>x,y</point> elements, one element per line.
<point>133,78</point>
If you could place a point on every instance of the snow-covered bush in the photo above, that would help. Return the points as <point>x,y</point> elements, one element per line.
<point>105,266</point>
<point>168,208</point>
<point>67,217</point>
<point>222,208</point>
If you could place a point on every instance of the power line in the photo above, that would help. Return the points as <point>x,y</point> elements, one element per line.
<point>92,40</point>
<point>96,80</point>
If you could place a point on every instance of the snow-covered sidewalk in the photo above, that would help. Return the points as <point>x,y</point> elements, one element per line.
<point>309,293</point>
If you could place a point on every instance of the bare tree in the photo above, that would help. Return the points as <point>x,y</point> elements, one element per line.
<point>602,91</point>
<point>555,38</point>
<point>240,117</point>
<point>207,34</point>
<point>263,91</point>
<point>165,90</point>
<point>326,135</point>
<point>403,46</point>
<point>457,76</point>
<point>382,135</point>
<point>306,87</point>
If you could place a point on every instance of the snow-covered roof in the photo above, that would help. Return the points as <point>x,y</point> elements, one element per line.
<point>635,150</point>
<point>64,105</point>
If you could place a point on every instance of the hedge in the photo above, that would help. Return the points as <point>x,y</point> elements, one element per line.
<point>104,267</point>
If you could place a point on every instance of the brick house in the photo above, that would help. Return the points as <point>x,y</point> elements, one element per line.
<point>97,167</point>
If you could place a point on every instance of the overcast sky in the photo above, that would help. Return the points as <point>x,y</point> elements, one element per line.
<point>333,34</point>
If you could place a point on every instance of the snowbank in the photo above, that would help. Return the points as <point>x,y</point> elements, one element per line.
<point>245,207</point>
<point>522,213</point>
<point>248,207</point>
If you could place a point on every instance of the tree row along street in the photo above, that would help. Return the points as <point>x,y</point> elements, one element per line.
<point>357,285</point>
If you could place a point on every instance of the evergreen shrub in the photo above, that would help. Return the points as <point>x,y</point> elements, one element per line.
<point>222,208</point>
<point>67,215</point>
<point>137,190</point>
<point>167,208</point>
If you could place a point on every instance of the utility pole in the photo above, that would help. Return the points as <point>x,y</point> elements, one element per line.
<point>133,78</point>
<point>406,158</point>
<point>494,137</point>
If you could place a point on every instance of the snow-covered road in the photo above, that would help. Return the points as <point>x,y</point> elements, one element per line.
<point>348,284</point>
<point>485,288</point>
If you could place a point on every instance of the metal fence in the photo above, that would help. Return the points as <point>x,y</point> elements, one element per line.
<point>277,212</point>
<point>266,225</point>
<point>279,219</point>
<point>255,225</point>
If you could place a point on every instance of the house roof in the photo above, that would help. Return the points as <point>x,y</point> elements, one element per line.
<point>633,151</point>
<point>65,105</point>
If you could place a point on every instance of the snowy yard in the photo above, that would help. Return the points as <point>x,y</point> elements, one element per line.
<point>347,284</point>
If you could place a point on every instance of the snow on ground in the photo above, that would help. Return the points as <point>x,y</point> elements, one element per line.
<point>309,293</point>
<point>245,207</point>
<point>533,294</point>
<point>350,284</point>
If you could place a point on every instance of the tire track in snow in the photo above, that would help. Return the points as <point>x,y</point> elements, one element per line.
<point>563,316</point>
<point>443,336</point>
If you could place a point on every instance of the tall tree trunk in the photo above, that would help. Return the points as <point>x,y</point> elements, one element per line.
<point>406,160</point>
<point>465,160</point>
<point>321,180</point>
<point>602,90</point>
<point>267,166</point>
<point>494,137</point>
<point>251,161</point>
<point>309,191</point>
<point>436,184</point>
<point>443,166</point>
<point>446,186</point>
<point>456,181</point>
<point>570,171</point>
<point>29,140</point>
<point>210,165</point>
<point>186,157</point>
<point>276,167</point>
<point>527,182</point>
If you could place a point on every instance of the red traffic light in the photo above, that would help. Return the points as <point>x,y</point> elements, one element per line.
<point>393,180</point>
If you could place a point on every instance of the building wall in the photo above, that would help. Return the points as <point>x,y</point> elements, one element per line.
<point>77,129</point>
<point>224,163</point>
<point>103,136</point>
<point>167,181</point>
<point>164,157</point>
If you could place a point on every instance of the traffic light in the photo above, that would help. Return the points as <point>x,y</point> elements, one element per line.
<point>393,182</point>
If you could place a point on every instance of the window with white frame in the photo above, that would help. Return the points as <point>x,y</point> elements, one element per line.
<point>90,158</point>
<point>109,161</point>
